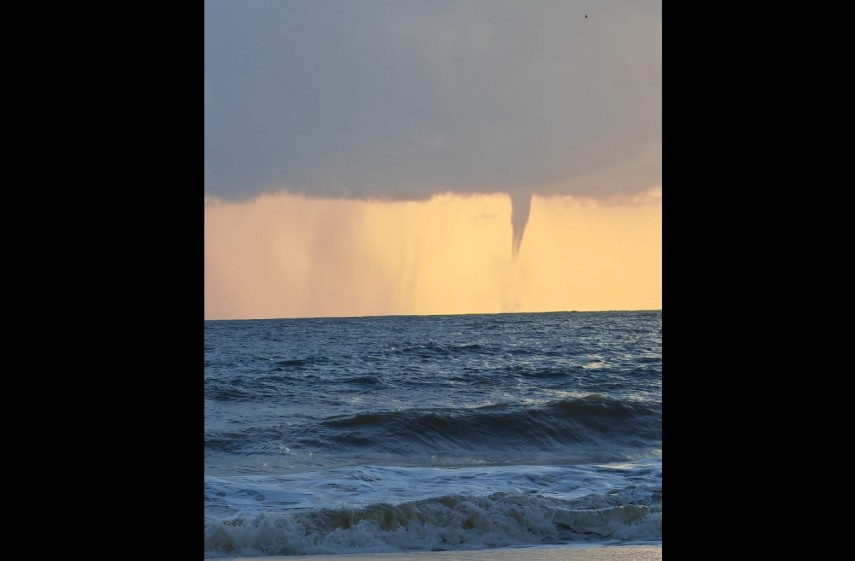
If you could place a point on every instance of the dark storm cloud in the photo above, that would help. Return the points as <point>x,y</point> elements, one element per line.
<point>398,99</point>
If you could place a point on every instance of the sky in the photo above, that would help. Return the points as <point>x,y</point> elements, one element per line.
<point>374,157</point>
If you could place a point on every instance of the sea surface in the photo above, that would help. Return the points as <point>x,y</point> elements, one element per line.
<point>432,433</point>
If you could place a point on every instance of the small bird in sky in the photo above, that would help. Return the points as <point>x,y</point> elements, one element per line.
<point>586,15</point>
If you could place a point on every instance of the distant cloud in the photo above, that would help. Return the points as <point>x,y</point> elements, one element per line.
<point>401,99</point>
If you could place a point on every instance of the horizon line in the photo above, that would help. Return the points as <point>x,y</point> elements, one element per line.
<point>434,315</point>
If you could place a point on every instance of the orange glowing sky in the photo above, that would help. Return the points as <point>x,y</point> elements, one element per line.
<point>285,255</point>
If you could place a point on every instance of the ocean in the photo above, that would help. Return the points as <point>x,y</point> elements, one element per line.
<point>432,433</point>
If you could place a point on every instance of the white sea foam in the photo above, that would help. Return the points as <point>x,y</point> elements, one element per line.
<point>449,522</point>
<point>382,509</point>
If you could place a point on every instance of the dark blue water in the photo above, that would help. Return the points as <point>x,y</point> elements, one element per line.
<point>344,435</point>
